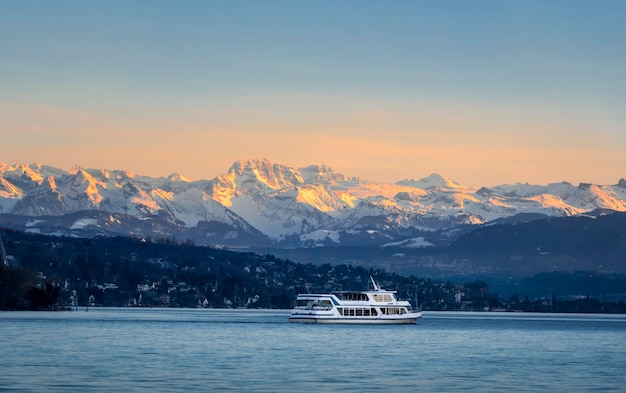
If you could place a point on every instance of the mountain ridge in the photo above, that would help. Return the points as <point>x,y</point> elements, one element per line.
<point>290,207</point>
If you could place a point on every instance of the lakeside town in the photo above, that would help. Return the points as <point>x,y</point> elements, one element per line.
<point>58,273</point>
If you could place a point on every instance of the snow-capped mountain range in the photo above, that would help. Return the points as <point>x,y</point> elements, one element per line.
<point>267,203</point>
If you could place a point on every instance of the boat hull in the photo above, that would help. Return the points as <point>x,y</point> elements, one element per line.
<point>409,318</point>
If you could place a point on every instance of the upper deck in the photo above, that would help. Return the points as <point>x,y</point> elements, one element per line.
<point>377,296</point>
<point>343,298</point>
<point>380,296</point>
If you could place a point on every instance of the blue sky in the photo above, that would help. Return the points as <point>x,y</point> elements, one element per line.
<point>485,92</point>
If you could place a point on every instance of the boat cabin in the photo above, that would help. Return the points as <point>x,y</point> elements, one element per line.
<point>376,306</point>
<point>377,297</point>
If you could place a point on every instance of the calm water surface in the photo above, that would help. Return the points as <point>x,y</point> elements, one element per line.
<point>204,350</point>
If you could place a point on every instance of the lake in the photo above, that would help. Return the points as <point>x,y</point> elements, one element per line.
<point>204,350</point>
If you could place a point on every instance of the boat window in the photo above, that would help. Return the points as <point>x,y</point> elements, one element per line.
<point>354,296</point>
<point>324,304</point>
<point>303,303</point>
<point>393,310</point>
<point>361,311</point>
<point>383,297</point>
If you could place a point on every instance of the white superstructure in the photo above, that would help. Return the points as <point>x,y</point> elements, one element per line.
<point>377,306</point>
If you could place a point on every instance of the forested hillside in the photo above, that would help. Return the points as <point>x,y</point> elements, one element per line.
<point>130,271</point>
<point>46,272</point>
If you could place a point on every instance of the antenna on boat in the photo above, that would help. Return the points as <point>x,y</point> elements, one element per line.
<point>376,287</point>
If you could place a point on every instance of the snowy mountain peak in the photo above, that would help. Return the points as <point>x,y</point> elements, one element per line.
<point>30,172</point>
<point>282,202</point>
<point>433,181</point>
<point>322,174</point>
<point>261,173</point>
<point>175,177</point>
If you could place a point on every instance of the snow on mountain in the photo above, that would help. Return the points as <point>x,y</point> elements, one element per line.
<point>415,242</point>
<point>600,196</point>
<point>433,181</point>
<point>8,190</point>
<point>320,236</point>
<point>313,204</point>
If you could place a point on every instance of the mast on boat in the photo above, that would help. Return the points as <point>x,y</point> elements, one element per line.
<point>376,287</point>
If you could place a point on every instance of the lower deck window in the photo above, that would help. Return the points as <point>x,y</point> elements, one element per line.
<point>393,310</point>
<point>357,311</point>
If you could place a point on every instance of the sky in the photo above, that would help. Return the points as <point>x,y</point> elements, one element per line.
<point>483,92</point>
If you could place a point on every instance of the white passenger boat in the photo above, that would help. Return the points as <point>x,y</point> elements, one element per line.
<point>377,306</point>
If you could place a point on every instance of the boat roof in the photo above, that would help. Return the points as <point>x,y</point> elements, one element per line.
<point>377,289</point>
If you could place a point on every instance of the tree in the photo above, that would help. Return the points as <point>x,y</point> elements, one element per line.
<point>45,298</point>
<point>12,281</point>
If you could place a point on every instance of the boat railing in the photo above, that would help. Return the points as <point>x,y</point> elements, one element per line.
<point>321,308</point>
<point>314,307</point>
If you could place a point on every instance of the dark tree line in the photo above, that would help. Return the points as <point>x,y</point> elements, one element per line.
<point>24,289</point>
<point>115,271</point>
<point>48,273</point>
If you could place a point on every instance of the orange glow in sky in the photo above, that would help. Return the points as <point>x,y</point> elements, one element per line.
<point>527,92</point>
